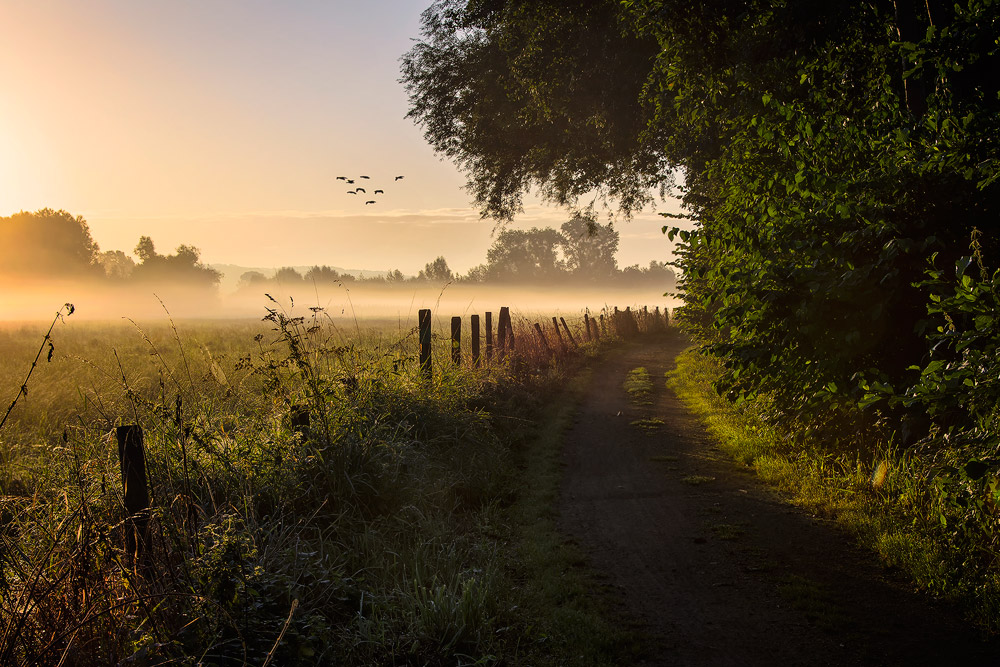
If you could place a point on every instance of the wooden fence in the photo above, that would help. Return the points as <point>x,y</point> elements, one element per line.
<point>622,324</point>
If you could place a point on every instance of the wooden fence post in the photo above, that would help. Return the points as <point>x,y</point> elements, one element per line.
<point>502,330</point>
<point>569,334</point>
<point>541,336</point>
<point>456,340</point>
<point>555,325</point>
<point>474,334</point>
<point>133,465</point>
<point>510,329</point>
<point>603,329</point>
<point>586,327</point>
<point>489,336</point>
<point>424,323</point>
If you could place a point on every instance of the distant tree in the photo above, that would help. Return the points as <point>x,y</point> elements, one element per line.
<point>145,250</point>
<point>589,248</point>
<point>322,275</point>
<point>287,275</point>
<point>395,276</point>
<point>47,242</point>
<point>519,255</point>
<point>436,271</point>
<point>477,274</point>
<point>117,265</point>
<point>184,266</point>
<point>661,272</point>
<point>250,279</point>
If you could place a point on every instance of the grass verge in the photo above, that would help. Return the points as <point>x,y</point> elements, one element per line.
<point>882,496</point>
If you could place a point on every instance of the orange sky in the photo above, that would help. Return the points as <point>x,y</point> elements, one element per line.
<point>223,125</point>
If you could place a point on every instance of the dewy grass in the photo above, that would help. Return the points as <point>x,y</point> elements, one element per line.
<point>386,528</point>
<point>639,386</point>
<point>648,424</point>
<point>882,499</point>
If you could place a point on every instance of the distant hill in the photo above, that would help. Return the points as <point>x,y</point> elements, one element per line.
<point>231,273</point>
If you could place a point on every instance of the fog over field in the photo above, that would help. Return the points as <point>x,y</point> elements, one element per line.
<point>32,300</point>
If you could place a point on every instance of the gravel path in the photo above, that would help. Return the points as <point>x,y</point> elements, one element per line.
<point>711,566</point>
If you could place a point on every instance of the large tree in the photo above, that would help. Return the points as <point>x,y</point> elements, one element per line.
<point>589,248</point>
<point>520,255</point>
<point>828,151</point>
<point>47,243</point>
<point>542,94</point>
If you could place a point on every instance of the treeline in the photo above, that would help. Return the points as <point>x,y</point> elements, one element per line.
<point>49,244</point>
<point>580,252</point>
<point>841,177</point>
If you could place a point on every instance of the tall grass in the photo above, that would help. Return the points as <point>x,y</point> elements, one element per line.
<point>378,533</point>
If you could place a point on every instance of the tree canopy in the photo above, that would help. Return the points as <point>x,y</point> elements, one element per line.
<point>183,267</point>
<point>826,154</point>
<point>47,243</point>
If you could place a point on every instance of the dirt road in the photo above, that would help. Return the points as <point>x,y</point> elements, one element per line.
<point>712,567</point>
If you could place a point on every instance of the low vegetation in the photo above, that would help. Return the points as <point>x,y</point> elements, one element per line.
<point>315,500</point>
<point>839,230</point>
<point>897,502</point>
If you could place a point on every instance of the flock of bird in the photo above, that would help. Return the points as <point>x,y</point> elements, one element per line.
<point>359,189</point>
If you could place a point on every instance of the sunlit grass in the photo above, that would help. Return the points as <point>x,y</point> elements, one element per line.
<point>380,531</point>
<point>882,496</point>
<point>639,386</point>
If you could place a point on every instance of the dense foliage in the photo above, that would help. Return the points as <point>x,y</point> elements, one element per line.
<point>827,152</point>
<point>839,160</point>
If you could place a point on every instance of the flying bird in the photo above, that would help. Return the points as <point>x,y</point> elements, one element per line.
<point>361,190</point>
<point>350,181</point>
<point>379,192</point>
<point>342,178</point>
<point>369,202</point>
<point>398,178</point>
<point>351,192</point>
<point>362,177</point>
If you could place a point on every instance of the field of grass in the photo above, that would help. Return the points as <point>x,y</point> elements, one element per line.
<point>394,527</point>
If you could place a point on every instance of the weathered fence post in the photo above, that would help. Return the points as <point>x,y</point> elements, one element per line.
<point>502,329</point>
<point>586,327</point>
<point>489,336</point>
<point>604,331</point>
<point>541,337</point>
<point>569,334</point>
<point>133,465</point>
<point>474,333</point>
<point>555,325</point>
<point>424,324</point>
<point>456,340</point>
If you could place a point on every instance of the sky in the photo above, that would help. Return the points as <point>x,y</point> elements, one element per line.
<point>223,124</point>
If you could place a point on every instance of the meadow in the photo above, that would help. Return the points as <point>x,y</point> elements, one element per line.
<point>314,498</point>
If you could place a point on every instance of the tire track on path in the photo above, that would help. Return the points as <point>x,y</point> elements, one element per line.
<point>711,566</point>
